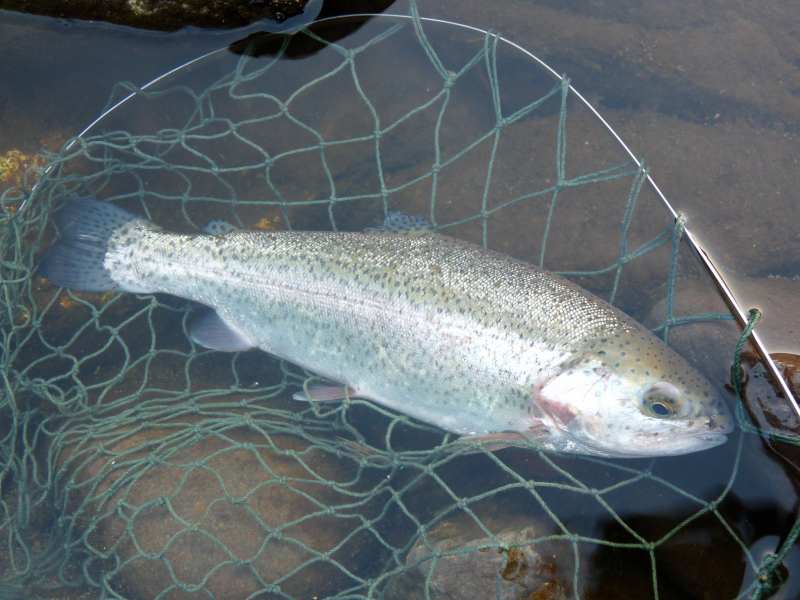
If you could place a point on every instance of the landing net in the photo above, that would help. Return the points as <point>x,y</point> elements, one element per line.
<point>138,465</point>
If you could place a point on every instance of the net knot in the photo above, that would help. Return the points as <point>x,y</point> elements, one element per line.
<point>754,316</point>
<point>680,222</point>
<point>771,574</point>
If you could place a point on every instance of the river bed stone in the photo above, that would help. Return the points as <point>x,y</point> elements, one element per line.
<point>231,512</point>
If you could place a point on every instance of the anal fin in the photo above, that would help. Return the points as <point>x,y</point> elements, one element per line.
<point>508,439</point>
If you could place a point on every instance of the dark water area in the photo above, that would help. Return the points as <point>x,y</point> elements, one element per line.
<point>722,145</point>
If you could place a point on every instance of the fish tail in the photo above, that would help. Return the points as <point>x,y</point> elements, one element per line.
<point>90,234</point>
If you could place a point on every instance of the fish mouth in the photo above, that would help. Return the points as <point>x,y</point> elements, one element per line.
<point>683,444</point>
<point>712,439</point>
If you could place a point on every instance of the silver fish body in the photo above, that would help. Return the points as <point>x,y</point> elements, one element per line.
<point>470,340</point>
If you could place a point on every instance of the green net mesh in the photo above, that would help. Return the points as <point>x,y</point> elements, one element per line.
<point>137,465</point>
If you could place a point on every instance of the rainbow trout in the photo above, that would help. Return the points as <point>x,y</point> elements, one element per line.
<point>464,338</point>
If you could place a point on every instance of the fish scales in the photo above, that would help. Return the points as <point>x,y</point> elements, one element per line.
<point>419,317</point>
<point>468,339</point>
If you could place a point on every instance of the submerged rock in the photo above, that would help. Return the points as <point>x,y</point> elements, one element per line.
<point>178,510</point>
<point>455,561</point>
<point>762,396</point>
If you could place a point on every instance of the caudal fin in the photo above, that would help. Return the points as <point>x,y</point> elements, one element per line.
<point>77,259</point>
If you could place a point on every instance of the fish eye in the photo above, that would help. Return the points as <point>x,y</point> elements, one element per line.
<point>660,403</point>
<point>660,409</point>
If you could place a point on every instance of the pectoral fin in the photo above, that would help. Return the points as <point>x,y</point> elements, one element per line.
<point>210,331</point>
<point>508,439</point>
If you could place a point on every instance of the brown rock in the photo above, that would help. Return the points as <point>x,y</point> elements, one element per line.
<point>456,560</point>
<point>764,399</point>
<point>230,512</point>
<point>790,365</point>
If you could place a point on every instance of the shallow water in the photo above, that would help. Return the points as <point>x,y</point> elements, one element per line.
<point>758,490</point>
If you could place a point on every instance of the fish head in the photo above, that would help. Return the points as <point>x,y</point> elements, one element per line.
<point>632,396</point>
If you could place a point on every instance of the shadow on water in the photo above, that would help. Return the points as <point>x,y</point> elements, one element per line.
<point>264,43</point>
